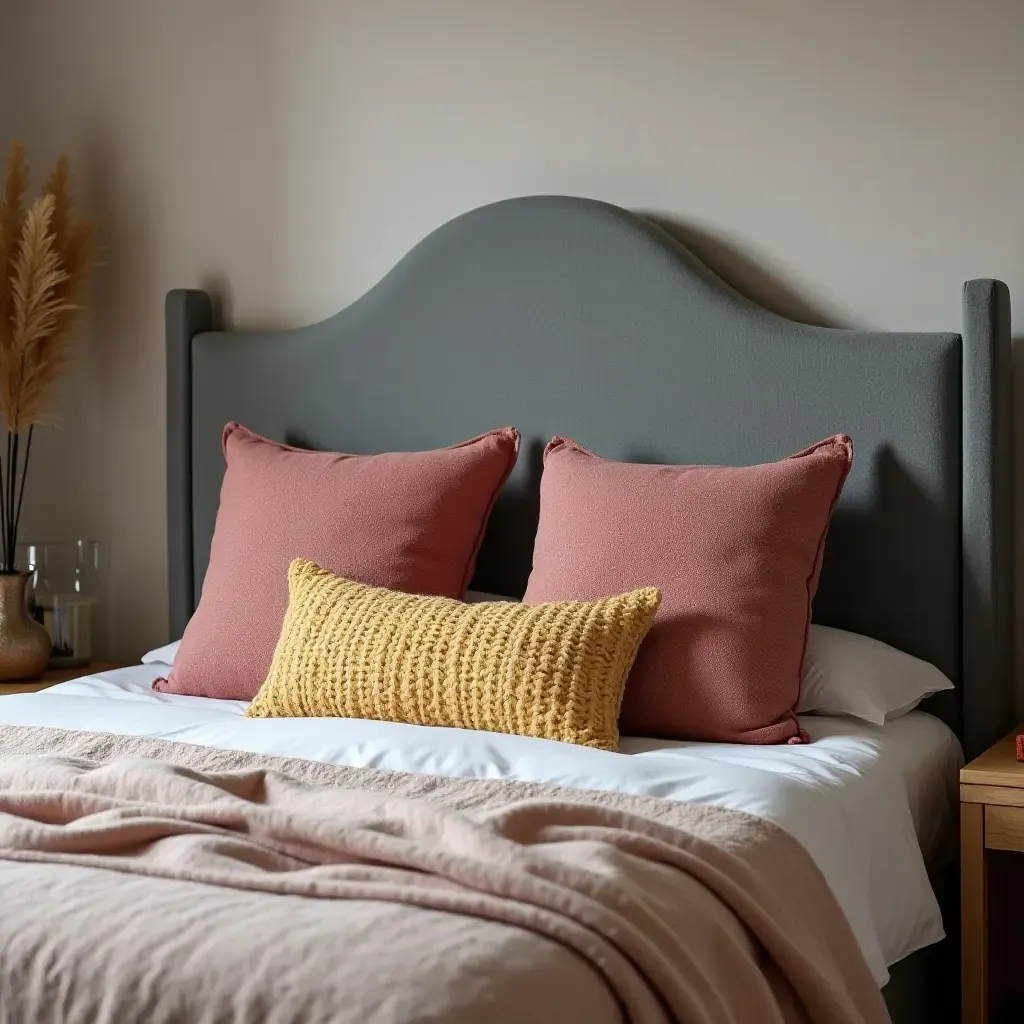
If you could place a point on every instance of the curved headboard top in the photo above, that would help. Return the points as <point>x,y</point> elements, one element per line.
<point>569,316</point>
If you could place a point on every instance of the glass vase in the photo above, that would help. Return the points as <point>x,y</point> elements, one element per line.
<point>64,579</point>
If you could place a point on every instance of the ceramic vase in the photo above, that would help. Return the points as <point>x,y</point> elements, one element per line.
<point>24,644</point>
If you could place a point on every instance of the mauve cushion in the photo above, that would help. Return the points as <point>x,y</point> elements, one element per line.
<point>409,521</point>
<point>736,554</point>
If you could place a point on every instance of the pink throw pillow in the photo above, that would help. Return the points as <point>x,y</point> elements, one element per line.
<point>409,521</point>
<point>736,554</point>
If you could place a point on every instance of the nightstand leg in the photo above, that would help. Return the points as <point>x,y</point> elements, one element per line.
<point>974,913</point>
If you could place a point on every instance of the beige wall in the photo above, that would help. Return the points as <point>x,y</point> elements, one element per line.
<point>165,109</point>
<point>6,91</point>
<point>853,162</point>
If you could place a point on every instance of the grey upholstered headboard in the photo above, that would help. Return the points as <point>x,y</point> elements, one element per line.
<point>562,315</point>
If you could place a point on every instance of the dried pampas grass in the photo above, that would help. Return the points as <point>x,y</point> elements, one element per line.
<point>45,257</point>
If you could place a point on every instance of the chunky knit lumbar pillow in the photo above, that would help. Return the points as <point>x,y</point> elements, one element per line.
<point>555,671</point>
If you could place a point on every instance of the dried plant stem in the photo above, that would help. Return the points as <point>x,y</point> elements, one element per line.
<point>3,490</point>
<point>45,257</point>
<point>8,562</point>
<point>12,481</point>
<point>21,489</point>
<point>12,497</point>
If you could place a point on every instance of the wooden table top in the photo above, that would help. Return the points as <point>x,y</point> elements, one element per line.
<point>998,766</point>
<point>53,676</point>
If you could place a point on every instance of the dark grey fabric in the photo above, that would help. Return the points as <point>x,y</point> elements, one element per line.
<point>188,313</point>
<point>568,316</point>
<point>987,514</point>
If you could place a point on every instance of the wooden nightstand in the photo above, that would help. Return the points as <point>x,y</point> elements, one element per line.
<point>991,819</point>
<point>53,676</point>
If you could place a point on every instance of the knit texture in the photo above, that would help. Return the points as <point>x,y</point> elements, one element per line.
<point>555,671</point>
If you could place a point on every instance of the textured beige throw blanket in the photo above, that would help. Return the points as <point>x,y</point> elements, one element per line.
<point>160,882</point>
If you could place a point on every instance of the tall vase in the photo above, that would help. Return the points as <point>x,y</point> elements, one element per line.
<point>24,644</point>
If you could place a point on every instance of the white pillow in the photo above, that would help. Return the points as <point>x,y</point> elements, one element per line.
<point>844,673</point>
<point>849,674</point>
<point>162,655</point>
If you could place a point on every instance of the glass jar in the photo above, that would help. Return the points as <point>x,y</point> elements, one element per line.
<point>62,592</point>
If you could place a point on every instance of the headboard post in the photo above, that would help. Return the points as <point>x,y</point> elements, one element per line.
<point>987,692</point>
<point>187,313</point>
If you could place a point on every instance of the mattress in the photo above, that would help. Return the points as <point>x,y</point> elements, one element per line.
<point>873,805</point>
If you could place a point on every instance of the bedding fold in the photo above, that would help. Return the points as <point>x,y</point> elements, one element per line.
<point>576,904</point>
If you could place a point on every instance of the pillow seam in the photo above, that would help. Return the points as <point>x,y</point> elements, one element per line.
<point>819,557</point>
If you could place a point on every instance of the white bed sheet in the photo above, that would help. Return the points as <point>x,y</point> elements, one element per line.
<point>869,803</point>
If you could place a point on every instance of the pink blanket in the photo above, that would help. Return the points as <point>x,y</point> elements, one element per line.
<point>141,889</point>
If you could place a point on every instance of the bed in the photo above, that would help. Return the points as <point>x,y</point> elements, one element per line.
<point>564,315</point>
<point>867,802</point>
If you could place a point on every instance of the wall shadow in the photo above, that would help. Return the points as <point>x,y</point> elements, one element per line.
<point>222,300</point>
<point>743,273</point>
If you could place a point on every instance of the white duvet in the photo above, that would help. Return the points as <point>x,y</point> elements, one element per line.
<point>869,803</point>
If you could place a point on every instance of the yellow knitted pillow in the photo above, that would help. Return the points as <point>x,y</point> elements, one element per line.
<point>555,671</point>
